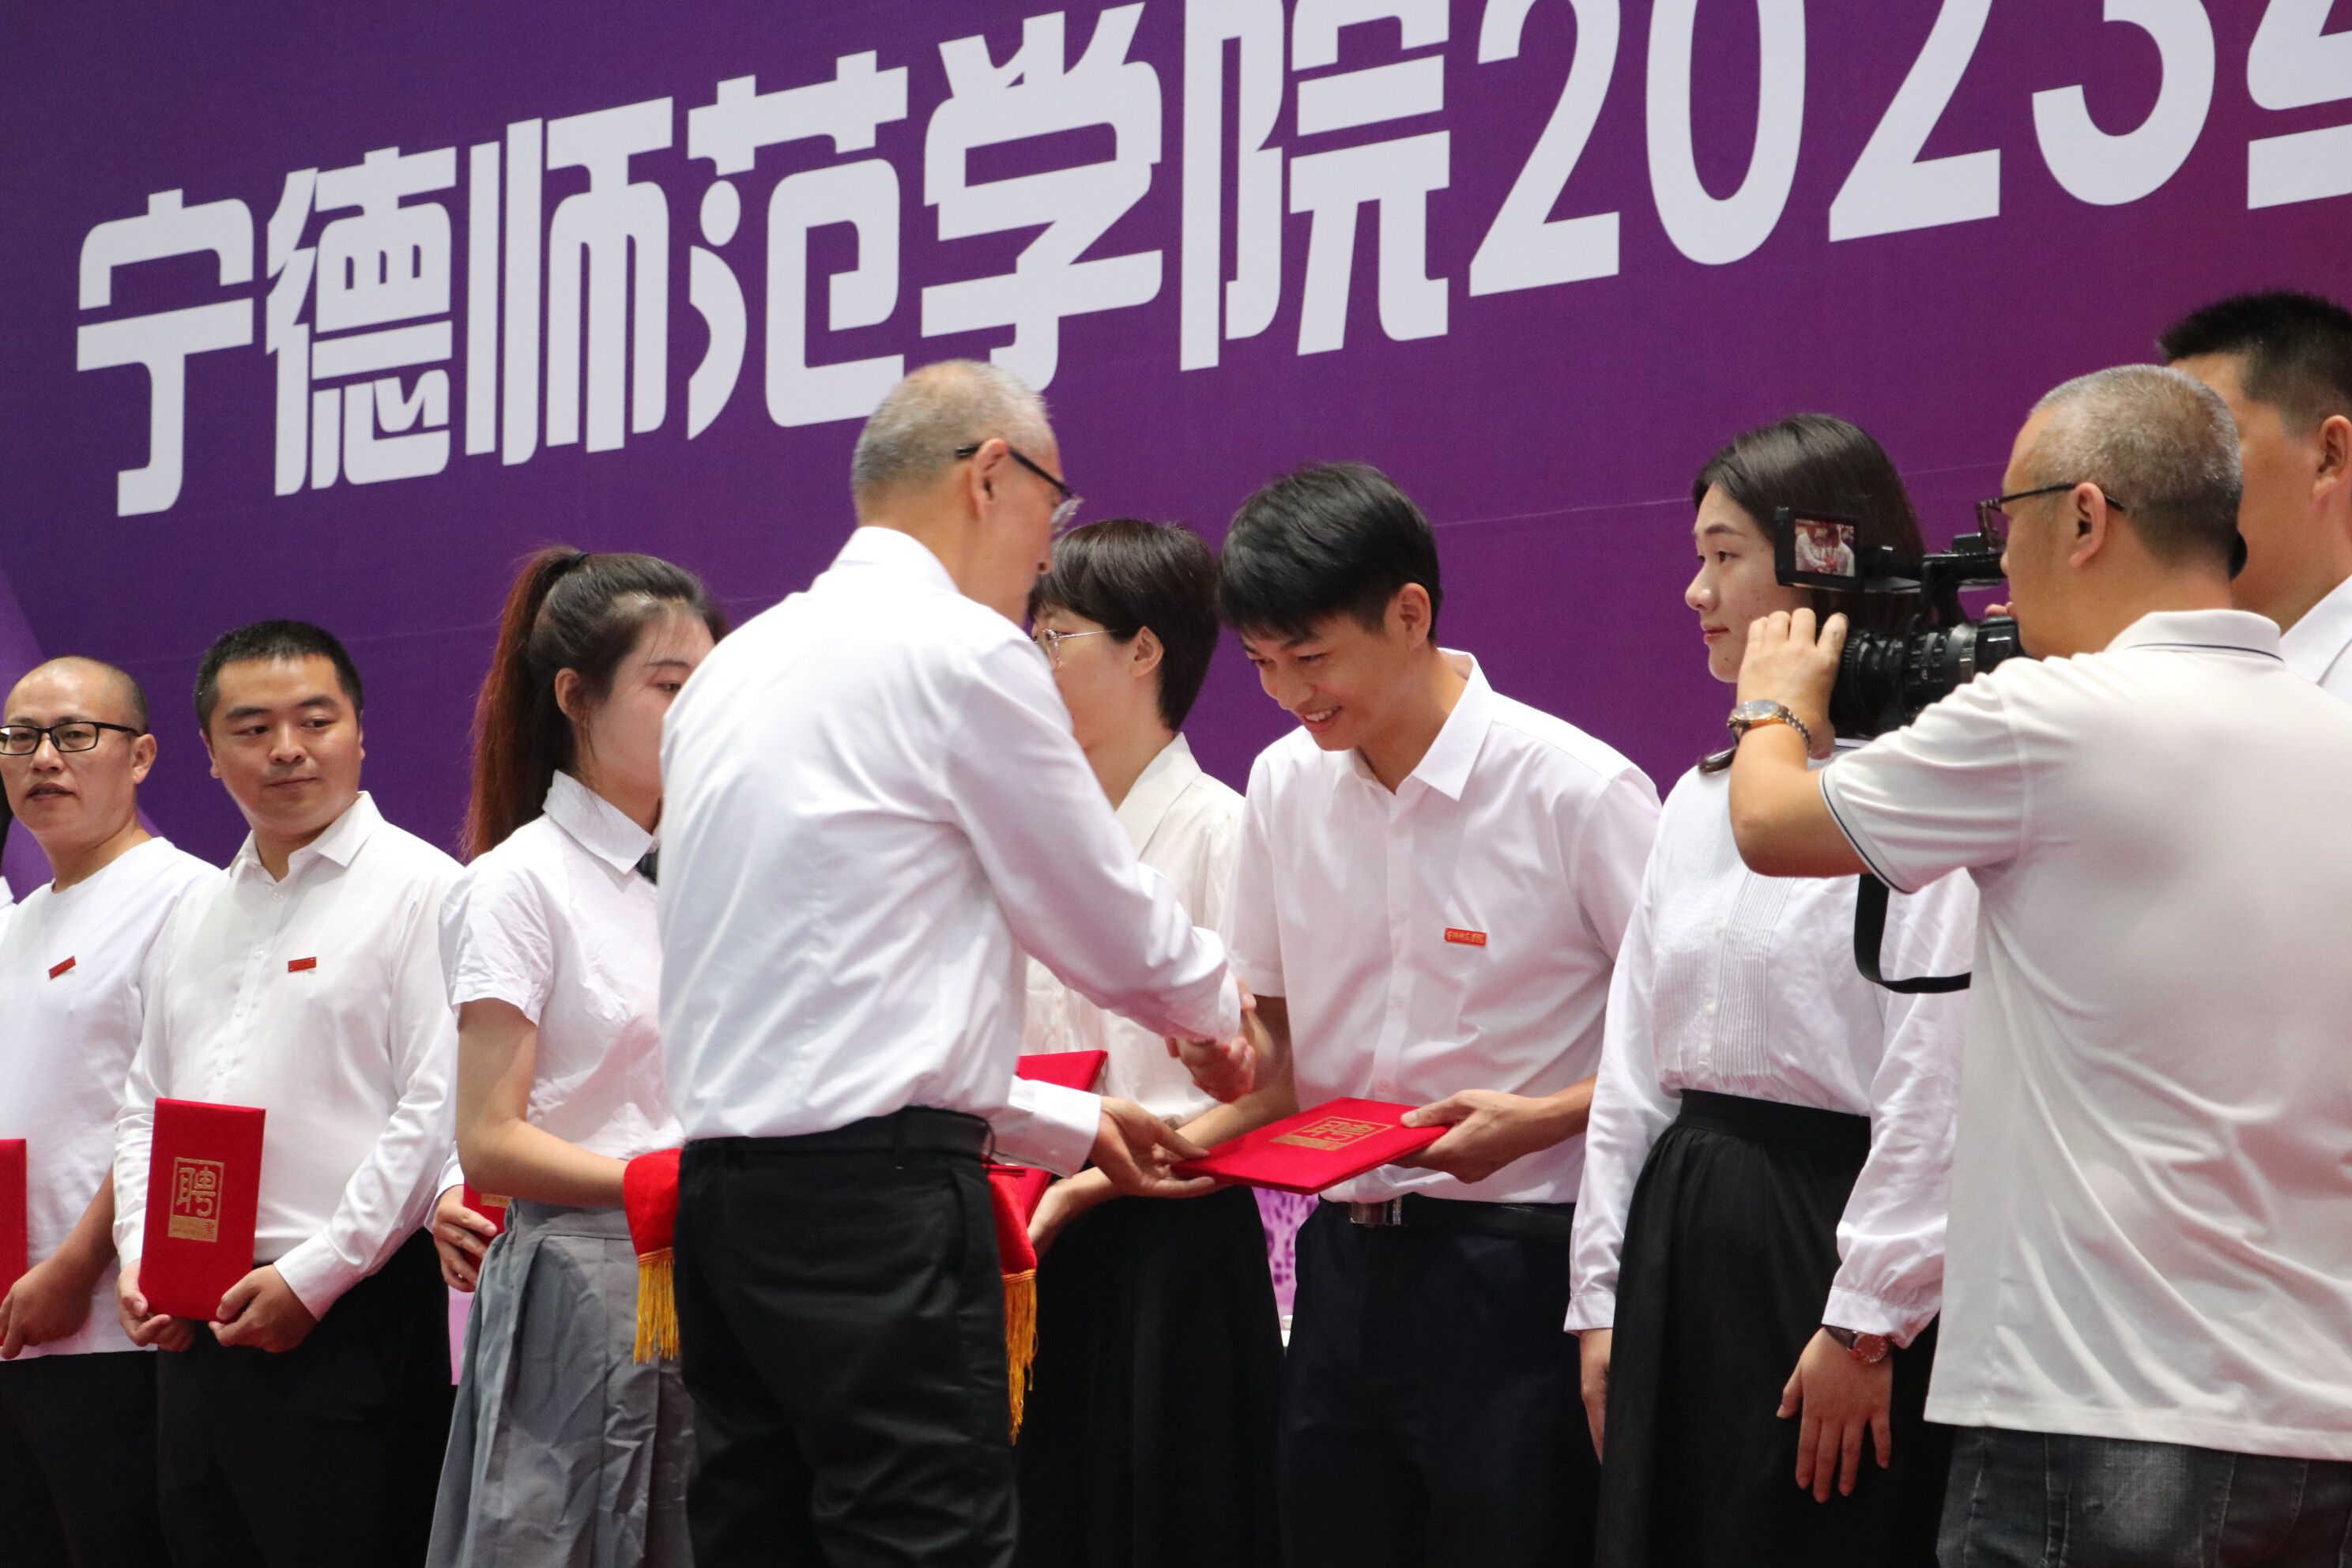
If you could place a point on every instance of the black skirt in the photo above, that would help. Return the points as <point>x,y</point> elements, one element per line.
<point>1730,1249</point>
<point>1149,1435</point>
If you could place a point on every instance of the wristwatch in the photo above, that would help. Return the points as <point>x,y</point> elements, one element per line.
<point>1764,711</point>
<point>1867,1349</point>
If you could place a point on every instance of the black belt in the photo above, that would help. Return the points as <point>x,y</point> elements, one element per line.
<point>917,1130</point>
<point>1524,1222</point>
<point>1776,1121</point>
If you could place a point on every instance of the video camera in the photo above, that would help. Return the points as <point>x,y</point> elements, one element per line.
<point>1886,679</point>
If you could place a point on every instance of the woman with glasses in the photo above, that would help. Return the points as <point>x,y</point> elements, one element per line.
<point>1759,1248</point>
<point>564,1450</point>
<point>1149,1435</point>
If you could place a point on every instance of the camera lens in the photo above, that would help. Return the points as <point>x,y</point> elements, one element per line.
<point>1886,679</point>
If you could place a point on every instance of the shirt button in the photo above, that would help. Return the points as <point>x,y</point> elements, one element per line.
<point>1710,1009</point>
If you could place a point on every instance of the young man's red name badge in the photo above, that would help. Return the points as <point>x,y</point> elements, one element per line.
<point>60,967</point>
<point>297,965</point>
<point>1320,1148</point>
<point>1466,938</point>
<point>204,1194</point>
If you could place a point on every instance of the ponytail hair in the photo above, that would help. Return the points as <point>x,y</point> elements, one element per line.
<point>572,610</point>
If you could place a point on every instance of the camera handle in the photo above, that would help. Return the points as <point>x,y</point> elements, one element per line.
<point>1870,936</point>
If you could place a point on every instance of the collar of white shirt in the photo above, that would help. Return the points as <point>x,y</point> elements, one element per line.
<point>2312,645</point>
<point>894,551</point>
<point>602,828</point>
<point>1155,789</point>
<point>340,843</point>
<point>1445,766</point>
<point>2239,630</point>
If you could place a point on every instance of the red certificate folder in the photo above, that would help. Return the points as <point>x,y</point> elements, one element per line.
<point>16,1241</point>
<point>203,1193</point>
<point>489,1206</point>
<point>1315,1149</point>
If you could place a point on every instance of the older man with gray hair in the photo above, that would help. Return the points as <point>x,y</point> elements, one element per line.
<point>873,805</point>
<point>2148,1294</point>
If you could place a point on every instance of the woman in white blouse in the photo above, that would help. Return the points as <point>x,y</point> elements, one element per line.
<point>1149,1435</point>
<point>1757,1257</point>
<point>564,1450</point>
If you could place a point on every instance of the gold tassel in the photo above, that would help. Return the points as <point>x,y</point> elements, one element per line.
<point>1019,1338</point>
<point>656,1307</point>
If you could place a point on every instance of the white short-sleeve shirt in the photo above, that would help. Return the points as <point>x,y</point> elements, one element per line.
<point>558,922</point>
<point>1458,933</point>
<point>2151,1222</point>
<point>72,997</point>
<point>1183,824</point>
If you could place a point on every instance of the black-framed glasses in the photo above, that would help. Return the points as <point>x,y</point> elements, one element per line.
<point>1992,522</point>
<point>73,735</point>
<point>1066,508</point>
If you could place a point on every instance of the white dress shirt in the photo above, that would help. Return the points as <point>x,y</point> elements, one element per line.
<point>2151,1219</point>
<point>2319,647</point>
<point>557,922</point>
<point>1183,824</point>
<point>1456,934</point>
<point>350,1055</point>
<point>70,1003</point>
<point>1737,984</point>
<point>873,804</point>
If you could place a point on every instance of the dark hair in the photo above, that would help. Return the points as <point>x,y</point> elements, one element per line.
<point>568,610</point>
<point>1818,462</point>
<point>270,641</point>
<point>1124,575</point>
<point>1332,539</point>
<point>2297,350</point>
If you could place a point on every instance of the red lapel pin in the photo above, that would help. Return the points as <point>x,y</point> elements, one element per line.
<point>297,965</point>
<point>57,969</point>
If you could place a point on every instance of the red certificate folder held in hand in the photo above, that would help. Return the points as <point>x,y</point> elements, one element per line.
<point>1315,1149</point>
<point>15,1240</point>
<point>204,1194</point>
<point>489,1206</point>
<point>1024,1186</point>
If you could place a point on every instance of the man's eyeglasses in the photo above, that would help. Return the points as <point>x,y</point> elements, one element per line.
<point>73,735</point>
<point>1063,511</point>
<point>1049,639</point>
<point>1992,522</point>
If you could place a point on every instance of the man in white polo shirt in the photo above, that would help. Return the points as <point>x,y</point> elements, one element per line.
<point>1431,888</point>
<point>2283,364</point>
<point>76,1397</point>
<point>2148,1299</point>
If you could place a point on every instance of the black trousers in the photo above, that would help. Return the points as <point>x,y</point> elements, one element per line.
<point>1430,1408</point>
<point>77,1461</point>
<point>328,1453</point>
<point>841,1315</point>
<point>1149,1440</point>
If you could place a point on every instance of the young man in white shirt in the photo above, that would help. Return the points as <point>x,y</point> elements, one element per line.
<point>2147,1296</point>
<point>2283,364</point>
<point>1431,885</point>
<point>76,1397</point>
<point>872,806</point>
<point>305,1422</point>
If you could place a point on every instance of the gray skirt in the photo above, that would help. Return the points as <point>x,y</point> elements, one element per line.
<point>564,1452</point>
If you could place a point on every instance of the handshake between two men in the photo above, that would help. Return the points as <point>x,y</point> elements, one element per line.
<point>1249,1076</point>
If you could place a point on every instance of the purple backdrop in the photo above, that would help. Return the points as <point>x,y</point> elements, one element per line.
<point>1550,429</point>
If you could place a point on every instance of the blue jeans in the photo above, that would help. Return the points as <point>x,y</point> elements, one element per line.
<point>2031,1499</point>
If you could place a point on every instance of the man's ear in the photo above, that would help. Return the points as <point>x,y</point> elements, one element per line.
<point>2092,520</point>
<point>1409,613</point>
<point>2335,453</point>
<point>142,757</point>
<point>205,735</point>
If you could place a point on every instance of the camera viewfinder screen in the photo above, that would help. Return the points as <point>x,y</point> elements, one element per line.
<point>1820,553</point>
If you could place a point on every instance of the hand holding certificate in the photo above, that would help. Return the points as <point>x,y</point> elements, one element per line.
<point>1316,1148</point>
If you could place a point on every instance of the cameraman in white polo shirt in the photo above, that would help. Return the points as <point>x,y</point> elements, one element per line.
<point>2148,1299</point>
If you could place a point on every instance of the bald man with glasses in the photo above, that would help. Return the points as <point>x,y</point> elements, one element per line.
<point>77,1396</point>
